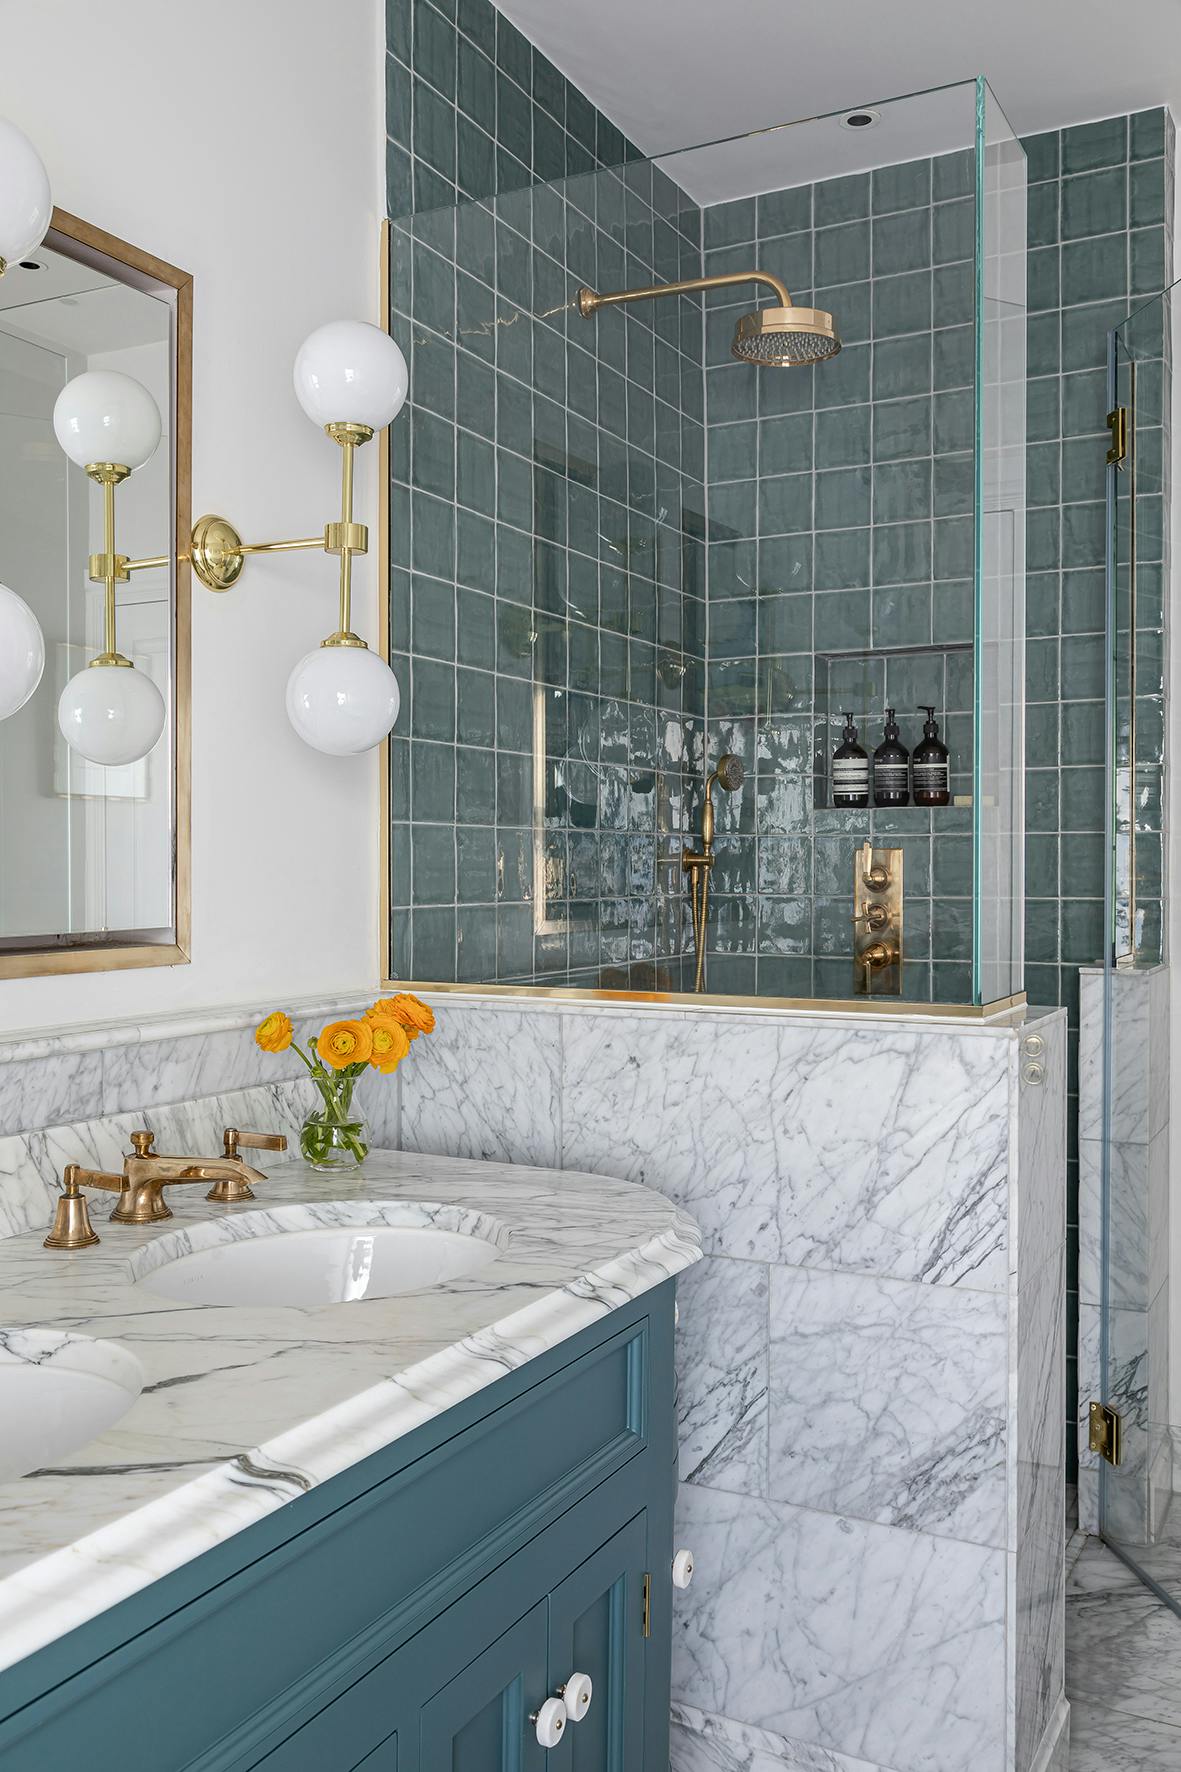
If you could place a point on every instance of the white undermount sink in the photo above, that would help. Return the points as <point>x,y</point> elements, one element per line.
<point>57,1392</point>
<point>280,1258</point>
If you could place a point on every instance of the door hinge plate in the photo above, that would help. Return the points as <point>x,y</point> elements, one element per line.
<point>646,1612</point>
<point>1106,1433</point>
<point>1117,424</point>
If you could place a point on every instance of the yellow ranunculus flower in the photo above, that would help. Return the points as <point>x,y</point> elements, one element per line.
<point>390,1045</point>
<point>275,1033</point>
<point>345,1042</point>
<point>412,1014</point>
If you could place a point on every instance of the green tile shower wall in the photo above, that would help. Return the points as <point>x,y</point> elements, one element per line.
<point>840,519</point>
<point>1100,236</point>
<point>548,530</point>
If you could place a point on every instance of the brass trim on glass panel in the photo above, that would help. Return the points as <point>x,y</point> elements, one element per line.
<point>86,244</point>
<point>385,935</point>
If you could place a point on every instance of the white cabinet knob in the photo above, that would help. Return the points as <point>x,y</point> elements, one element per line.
<point>551,1721</point>
<point>576,1695</point>
<point>683,1568</point>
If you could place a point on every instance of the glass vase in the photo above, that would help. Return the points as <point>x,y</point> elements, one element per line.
<point>336,1134</point>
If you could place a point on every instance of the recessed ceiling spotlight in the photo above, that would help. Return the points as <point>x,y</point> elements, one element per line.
<point>860,119</point>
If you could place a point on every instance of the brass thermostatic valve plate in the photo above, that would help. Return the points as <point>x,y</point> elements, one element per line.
<point>877,922</point>
<point>1105,1432</point>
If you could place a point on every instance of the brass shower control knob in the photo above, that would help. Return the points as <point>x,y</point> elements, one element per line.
<point>877,878</point>
<point>877,955</point>
<point>874,916</point>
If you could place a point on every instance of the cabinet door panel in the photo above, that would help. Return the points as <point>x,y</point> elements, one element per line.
<point>479,1721</point>
<point>596,1628</point>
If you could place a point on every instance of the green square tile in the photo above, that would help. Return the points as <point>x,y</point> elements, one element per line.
<point>849,304</point>
<point>952,607</point>
<point>1041,929</point>
<point>434,46</point>
<point>953,233</point>
<point>733,510</point>
<point>1041,866</point>
<point>434,136</point>
<point>1043,539</point>
<point>1087,146</point>
<point>476,85</point>
<point>840,199</point>
<point>733,451</point>
<point>844,380</point>
<point>902,491</point>
<point>842,437</point>
<point>1043,473</point>
<point>432,945</point>
<point>475,621</point>
<point>901,428</point>
<point>901,304</point>
<point>1084,332</point>
<point>1084,601</point>
<point>1095,203</point>
<point>475,945</point>
<point>953,175</point>
<point>1041,735</point>
<point>901,613</point>
<point>785,564</point>
<point>953,420</point>
<point>1043,213</point>
<point>1095,269</point>
<point>1084,403</point>
<point>902,366</point>
<point>1043,278</point>
<point>432,536</point>
<point>785,444</point>
<point>841,620</point>
<point>729,224</point>
<point>1150,254</point>
<point>954,479</point>
<point>841,561</point>
<point>432,783</point>
<point>1083,534</point>
<point>475,474</point>
<point>842,498</point>
<point>1041,799</point>
<point>732,628</point>
<point>953,547</point>
<point>1041,669</point>
<point>901,242</point>
<point>784,504</point>
<point>842,254</point>
<point>902,553</point>
<point>1147,134</point>
<point>1083,667</point>
<point>1084,732</point>
<point>1042,603</point>
<point>784,212</point>
<point>475,551</point>
<point>475,395</point>
<point>433,864</point>
<point>432,618</point>
<point>901,187</point>
<point>1042,155</point>
<point>785,624</point>
<point>1043,352</point>
<point>953,293</point>
<point>1082,798</point>
<point>953,355</point>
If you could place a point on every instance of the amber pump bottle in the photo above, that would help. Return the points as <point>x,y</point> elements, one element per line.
<point>891,773</point>
<point>929,768</point>
<point>850,769</point>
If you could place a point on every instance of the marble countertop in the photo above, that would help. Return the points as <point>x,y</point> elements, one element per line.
<point>243,1409</point>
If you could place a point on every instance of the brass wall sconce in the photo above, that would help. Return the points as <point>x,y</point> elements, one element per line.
<point>351,379</point>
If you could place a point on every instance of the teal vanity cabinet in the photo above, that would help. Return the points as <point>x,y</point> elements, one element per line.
<point>416,1612</point>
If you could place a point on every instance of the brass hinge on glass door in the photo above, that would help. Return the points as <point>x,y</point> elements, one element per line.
<point>1117,424</point>
<point>1106,1433</point>
<point>646,1607</point>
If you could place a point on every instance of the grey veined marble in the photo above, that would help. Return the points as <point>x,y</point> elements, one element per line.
<point>244,1408</point>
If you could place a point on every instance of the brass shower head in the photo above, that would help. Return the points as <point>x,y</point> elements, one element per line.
<point>779,337</point>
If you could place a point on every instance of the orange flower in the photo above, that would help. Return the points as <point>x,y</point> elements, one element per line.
<point>275,1033</point>
<point>390,1045</point>
<point>415,1016</point>
<point>345,1042</point>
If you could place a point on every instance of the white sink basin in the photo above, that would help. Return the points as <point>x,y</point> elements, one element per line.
<point>57,1392</point>
<point>279,1258</point>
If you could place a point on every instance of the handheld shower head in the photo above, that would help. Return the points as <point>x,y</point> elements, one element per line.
<point>730,771</point>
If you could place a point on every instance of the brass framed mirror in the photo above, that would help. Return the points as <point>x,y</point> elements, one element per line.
<point>94,860</point>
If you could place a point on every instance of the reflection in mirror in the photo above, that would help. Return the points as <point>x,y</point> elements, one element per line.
<point>93,859</point>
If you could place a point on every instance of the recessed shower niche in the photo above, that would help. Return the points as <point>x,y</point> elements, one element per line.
<point>705,453</point>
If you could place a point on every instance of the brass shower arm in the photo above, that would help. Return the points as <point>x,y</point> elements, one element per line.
<point>589,300</point>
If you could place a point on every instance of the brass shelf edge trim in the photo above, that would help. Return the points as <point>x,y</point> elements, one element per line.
<point>660,1001</point>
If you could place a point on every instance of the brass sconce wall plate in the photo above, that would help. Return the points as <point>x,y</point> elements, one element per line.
<point>877,922</point>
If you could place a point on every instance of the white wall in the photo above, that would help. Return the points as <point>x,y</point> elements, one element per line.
<point>243,142</point>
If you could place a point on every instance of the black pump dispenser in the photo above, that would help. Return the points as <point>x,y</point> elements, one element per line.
<point>850,770</point>
<point>932,785</point>
<point>891,777</point>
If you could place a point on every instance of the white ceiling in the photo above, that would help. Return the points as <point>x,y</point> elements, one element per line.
<point>672,73</point>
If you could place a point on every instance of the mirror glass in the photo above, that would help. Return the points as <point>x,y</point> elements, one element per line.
<point>89,854</point>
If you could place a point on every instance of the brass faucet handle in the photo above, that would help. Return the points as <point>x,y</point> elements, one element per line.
<point>142,1142</point>
<point>72,1228</point>
<point>254,1141</point>
<point>874,916</point>
<point>877,877</point>
<point>877,955</point>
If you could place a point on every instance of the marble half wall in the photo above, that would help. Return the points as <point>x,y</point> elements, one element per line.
<point>1135,1145</point>
<point>870,1356</point>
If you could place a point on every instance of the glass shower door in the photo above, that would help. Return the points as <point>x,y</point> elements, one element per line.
<point>1125,1098</point>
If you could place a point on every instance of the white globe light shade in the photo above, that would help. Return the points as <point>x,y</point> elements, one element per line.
<point>342,699</point>
<point>111,714</point>
<point>25,203</point>
<point>349,372</point>
<point>104,416</point>
<point>22,652</point>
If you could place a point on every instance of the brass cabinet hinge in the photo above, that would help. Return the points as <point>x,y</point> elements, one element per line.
<point>646,1610</point>
<point>1106,1433</point>
<point>1117,424</point>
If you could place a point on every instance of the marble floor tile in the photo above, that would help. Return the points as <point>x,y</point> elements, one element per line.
<point>1123,1652</point>
<point>1093,1569</point>
<point>1109,1741</point>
